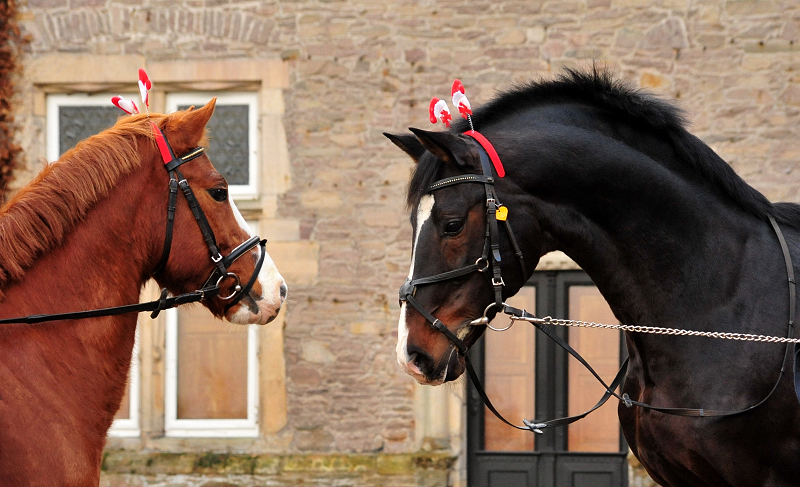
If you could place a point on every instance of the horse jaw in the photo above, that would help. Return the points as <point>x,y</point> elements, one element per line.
<point>254,309</point>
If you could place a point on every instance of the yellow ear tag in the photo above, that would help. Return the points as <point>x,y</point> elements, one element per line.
<point>502,213</point>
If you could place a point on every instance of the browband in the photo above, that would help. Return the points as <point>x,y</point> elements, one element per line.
<point>170,160</point>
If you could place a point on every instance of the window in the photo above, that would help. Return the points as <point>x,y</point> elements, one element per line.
<point>211,375</point>
<point>72,118</point>
<point>233,141</point>
<point>72,103</point>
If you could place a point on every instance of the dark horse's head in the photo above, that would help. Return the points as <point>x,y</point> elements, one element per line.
<point>450,234</point>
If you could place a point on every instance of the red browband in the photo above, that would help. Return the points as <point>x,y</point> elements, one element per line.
<point>162,144</point>
<point>484,142</point>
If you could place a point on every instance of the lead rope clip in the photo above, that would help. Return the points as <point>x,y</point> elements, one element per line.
<point>535,427</point>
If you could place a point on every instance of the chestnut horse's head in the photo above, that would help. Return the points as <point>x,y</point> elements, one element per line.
<point>452,262</point>
<point>207,240</point>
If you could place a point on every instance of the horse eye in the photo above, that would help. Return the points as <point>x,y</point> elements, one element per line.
<point>452,228</point>
<point>219,194</point>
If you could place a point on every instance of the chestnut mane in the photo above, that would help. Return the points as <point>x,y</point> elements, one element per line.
<point>39,217</point>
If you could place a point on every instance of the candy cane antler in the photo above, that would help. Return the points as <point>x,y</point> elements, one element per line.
<point>440,111</point>
<point>461,102</point>
<point>127,106</point>
<point>144,86</point>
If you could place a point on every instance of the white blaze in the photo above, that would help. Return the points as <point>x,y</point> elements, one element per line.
<point>269,277</point>
<point>424,210</point>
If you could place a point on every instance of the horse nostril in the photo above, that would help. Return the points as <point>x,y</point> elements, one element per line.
<point>284,291</point>
<point>421,359</point>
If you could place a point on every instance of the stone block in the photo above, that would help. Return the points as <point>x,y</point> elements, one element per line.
<point>670,33</point>
<point>280,229</point>
<point>395,464</point>
<point>298,262</point>
<point>317,352</point>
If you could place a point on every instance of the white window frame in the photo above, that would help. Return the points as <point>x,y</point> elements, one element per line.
<point>130,428</point>
<point>56,100</point>
<point>249,98</point>
<point>212,428</point>
<point>209,428</point>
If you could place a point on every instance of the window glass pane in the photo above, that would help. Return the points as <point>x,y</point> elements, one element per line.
<point>229,148</point>
<point>598,432</point>
<point>80,122</point>
<point>509,373</point>
<point>212,366</point>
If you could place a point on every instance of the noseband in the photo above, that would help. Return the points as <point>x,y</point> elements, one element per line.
<point>222,264</point>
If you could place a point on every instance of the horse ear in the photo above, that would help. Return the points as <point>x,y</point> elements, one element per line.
<point>447,146</point>
<point>408,143</point>
<point>187,129</point>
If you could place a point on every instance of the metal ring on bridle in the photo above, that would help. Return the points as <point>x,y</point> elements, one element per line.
<point>485,264</point>
<point>236,289</point>
<point>483,320</point>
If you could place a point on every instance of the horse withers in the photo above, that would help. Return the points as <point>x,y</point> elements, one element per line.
<point>87,233</point>
<point>670,235</point>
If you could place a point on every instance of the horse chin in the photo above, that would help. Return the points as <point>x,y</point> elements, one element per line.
<point>455,368</point>
<point>456,363</point>
<point>252,312</point>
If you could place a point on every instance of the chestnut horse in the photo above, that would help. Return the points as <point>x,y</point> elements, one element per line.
<point>670,235</point>
<point>88,233</point>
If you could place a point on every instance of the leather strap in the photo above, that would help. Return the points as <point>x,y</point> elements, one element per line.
<point>156,306</point>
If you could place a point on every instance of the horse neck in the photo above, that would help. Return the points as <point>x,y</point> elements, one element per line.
<point>664,245</point>
<point>103,262</point>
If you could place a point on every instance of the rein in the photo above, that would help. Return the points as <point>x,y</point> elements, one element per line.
<point>492,260</point>
<point>212,285</point>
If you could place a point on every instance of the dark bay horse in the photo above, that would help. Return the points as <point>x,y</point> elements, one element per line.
<point>670,235</point>
<point>87,233</point>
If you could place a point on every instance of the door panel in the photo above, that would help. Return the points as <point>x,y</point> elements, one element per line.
<point>509,376</point>
<point>598,432</point>
<point>523,370</point>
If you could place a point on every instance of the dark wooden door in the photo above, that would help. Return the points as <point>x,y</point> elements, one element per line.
<point>528,376</point>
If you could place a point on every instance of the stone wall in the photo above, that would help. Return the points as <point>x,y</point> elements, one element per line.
<point>358,68</point>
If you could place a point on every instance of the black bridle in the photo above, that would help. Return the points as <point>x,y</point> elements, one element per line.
<point>220,273</point>
<point>490,260</point>
<point>222,263</point>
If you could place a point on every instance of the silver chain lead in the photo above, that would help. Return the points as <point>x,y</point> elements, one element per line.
<point>547,320</point>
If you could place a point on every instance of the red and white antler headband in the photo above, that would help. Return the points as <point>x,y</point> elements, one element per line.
<point>440,111</point>
<point>129,106</point>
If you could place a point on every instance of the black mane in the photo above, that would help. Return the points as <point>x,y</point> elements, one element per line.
<point>598,88</point>
<point>595,87</point>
